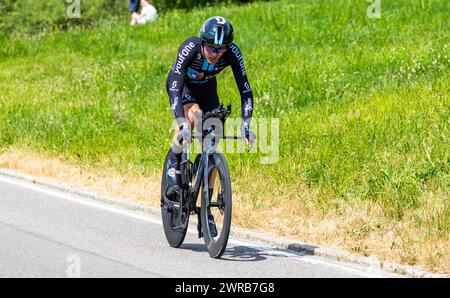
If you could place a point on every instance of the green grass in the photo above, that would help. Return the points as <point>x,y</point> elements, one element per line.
<point>363,103</point>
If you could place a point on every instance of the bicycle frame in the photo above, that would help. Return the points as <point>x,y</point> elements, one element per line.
<point>189,193</point>
<point>202,172</point>
<point>208,147</point>
<point>182,202</point>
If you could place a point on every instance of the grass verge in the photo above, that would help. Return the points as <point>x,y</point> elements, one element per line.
<point>363,108</point>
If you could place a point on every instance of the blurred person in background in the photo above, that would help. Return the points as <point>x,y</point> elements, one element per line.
<point>148,12</point>
<point>133,7</point>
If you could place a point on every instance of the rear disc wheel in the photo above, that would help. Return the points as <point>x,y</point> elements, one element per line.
<point>175,237</point>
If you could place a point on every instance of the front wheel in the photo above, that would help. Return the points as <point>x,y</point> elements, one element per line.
<point>216,209</point>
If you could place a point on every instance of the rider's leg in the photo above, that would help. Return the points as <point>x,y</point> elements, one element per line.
<point>190,111</point>
<point>173,165</point>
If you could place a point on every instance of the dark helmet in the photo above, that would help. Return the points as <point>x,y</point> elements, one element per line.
<point>217,31</point>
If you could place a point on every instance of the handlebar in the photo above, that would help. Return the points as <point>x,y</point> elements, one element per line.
<point>197,135</point>
<point>219,112</point>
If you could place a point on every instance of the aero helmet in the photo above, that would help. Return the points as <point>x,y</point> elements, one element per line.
<point>217,31</point>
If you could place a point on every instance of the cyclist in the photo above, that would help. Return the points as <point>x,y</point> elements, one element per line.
<point>192,86</point>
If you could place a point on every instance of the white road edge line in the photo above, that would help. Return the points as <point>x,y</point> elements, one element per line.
<point>316,260</point>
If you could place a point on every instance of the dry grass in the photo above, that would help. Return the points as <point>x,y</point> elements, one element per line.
<point>142,189</point>
<point>358,227</point>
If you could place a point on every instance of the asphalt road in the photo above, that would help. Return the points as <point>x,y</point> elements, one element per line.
<point>48,233</point>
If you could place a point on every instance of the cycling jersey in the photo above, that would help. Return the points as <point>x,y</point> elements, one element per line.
<point>192,73</point>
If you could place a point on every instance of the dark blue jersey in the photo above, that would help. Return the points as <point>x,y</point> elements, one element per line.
<point>192,68</point>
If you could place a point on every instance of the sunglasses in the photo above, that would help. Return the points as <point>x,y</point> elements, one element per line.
<point>216,50</point>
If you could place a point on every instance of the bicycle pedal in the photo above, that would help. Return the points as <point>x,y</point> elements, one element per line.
<point>180,227</point>
<point>165,206</point>
<point>172,193</point>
